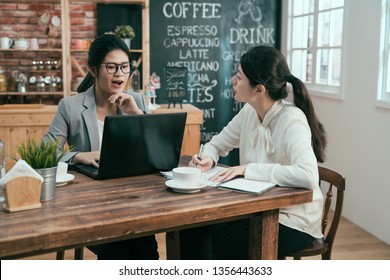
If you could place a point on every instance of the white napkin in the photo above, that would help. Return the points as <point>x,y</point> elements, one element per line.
<point>20,169</point>
<point>167,174</point>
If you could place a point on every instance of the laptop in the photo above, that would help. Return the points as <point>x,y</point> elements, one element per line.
<point>137,145</point>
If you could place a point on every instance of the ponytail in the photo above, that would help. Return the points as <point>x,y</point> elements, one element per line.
<point>85,84</point>
<point>303,101</point>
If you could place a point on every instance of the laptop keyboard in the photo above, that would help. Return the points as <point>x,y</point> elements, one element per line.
<point>87,169</point>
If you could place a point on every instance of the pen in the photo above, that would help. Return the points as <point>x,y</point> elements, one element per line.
<point>200,152</point>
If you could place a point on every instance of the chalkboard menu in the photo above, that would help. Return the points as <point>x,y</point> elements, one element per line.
<point>208,38</point>
<point>176,83</point>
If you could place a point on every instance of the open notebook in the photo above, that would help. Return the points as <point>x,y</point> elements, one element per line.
<point>245,185</point>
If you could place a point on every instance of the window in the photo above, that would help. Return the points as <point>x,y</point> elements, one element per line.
<point>315,44</point>
<point>384,63</point>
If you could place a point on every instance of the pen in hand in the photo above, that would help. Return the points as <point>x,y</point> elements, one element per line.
<point>200,152</point>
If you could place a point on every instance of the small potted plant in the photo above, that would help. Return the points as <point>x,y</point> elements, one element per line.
<point>125,32</point>
<point>43,157</point>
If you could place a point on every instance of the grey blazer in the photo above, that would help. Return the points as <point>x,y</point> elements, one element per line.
<point>75,122</point>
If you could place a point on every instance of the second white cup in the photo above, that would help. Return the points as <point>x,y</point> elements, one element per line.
<point>188,177</point>
<point>62,169</point>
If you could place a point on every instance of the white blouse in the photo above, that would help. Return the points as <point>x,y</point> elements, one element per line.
<point>278,150</point>
<point>100,129</point>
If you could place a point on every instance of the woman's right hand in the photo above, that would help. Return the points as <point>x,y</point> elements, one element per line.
<point>87,158</point>
<point>204,164</point>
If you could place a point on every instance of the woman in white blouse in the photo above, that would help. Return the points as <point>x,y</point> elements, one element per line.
<point>279,142</point>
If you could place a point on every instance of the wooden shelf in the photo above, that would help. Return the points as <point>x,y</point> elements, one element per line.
<point>79,50</point>
<point>135,2</point>
<point>86,50</point>
<point>45,70</point>
<point>31,50</point>
<point>27,93</point>
<point>136,51</point>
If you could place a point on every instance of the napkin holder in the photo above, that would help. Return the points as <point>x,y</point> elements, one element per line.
<point>22,193</point>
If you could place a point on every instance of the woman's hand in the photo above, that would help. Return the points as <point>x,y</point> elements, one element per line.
<point>229,173</point>
<point>204,164</point>
<point>125,103</point>
<point>87,158</point>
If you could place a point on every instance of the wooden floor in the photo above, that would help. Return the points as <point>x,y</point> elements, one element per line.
<point>352,243</point>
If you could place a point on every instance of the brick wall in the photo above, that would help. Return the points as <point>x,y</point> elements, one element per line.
<point>20,19</point>
<point>83,25</point>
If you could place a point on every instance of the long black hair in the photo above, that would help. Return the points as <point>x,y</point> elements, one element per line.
<point>266,65</point>
<point>98,50</point>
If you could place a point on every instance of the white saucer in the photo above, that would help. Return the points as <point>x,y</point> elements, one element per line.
<point>16,48</point>
<point>64,179</point>
<point>179,189</point>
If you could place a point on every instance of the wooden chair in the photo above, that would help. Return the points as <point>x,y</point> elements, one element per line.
<point>335,183</point>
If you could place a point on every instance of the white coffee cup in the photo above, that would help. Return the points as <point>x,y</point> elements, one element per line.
<point>5,42</point>
<point>188,177</point>
<point>34,43</point>
<point>62,169</point>
<point>21,44</point>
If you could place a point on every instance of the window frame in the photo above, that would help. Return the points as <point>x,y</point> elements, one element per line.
<point>316,89</point>
<point>383,96</point>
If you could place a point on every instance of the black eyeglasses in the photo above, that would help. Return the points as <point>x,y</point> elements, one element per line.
<point>112,67</point>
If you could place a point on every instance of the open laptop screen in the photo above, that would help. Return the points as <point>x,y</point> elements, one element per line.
<point>140,144</point>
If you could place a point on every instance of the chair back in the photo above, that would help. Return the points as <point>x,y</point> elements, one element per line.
<point>332,182</point>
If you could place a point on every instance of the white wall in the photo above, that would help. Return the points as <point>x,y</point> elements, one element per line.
<point>358,131</point>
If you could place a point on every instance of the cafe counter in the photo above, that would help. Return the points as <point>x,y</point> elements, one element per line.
<point>20,121</point>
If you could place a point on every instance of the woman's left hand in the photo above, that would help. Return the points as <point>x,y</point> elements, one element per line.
<point>229,173</point>
<point>125,103</point>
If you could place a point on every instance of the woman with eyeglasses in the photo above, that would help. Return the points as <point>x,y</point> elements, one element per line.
<point>80,118</point>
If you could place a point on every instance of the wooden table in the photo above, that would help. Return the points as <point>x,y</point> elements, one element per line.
<point>87,212</point>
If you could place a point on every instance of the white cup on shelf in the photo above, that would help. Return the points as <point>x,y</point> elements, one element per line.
<point>34,45</point>
<point>21,44</point>
<point>5,43</point>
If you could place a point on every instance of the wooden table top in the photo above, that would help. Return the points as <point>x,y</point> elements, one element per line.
<point>86,212</point>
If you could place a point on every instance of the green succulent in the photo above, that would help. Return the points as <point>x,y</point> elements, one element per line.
<point>41,155</point>
<point>124,31</point>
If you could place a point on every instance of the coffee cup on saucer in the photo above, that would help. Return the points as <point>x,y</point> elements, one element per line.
<point>188,177</point>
